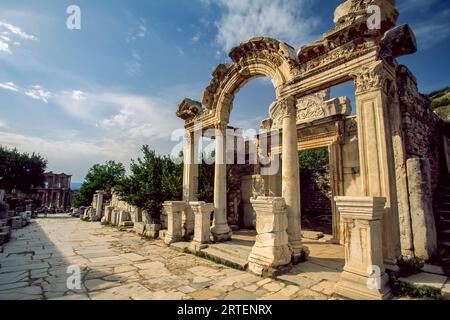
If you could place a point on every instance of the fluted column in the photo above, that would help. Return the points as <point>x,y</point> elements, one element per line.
<point>291,177</point>
<point>190,171</point>
<point>220,229</point>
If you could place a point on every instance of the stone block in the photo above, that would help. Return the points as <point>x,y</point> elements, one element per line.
<point>139,228</point>
<point>16,223</point>
<point>152,230</point>
<point>174,210</point>
<point>271,254</point>
<point>364,275</point>
<point>202,213</point>
<point>422,217</point>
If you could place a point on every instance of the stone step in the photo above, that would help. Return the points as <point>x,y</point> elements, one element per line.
<point>428,280</point>
<point>445,244</point>
<point>445,213</point>
<point>444,220</point>
<point>226,256</point>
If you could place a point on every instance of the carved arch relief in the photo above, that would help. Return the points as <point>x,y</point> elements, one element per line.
<point>311,107</point>
<point>256,57</point>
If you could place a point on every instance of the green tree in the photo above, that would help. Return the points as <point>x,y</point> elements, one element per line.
<point>99,177</point>
<point>153,180</point>
<point>21,171</point>
<point>206,183</point>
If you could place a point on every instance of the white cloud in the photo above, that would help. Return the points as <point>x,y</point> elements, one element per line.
<point>9,86</point>
<point>4,47</point>
<point>134,66</point>
<point>7,32</point>
<point>281,19</point>
<point>138,31</point>
<point>78,95</point>
<point>3,124</point>
<point>74,157</point>
<point>433,30</point>
<point>38,93</point>
<point>15,30</point>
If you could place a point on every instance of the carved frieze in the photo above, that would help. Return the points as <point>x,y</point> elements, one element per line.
<point>371,77</point>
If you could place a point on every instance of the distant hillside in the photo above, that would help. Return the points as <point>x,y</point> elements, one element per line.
<point>75,185</point>
<point>441,103</point>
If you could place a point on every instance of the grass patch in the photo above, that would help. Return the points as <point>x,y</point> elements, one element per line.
<point>402,289</point>
<point>410,266</point>
<point>206,256</point>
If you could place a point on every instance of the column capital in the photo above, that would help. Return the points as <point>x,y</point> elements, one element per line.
<point>287,107</point>
<point>371,77</point>
<point>221,126</point>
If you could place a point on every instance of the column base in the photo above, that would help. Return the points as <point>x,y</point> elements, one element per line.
<point>197,246</point>
<point>169,239</point>
<point>270,261</point>
<point>357,287</point>
<point>299,253</point>
<point>221,233</point>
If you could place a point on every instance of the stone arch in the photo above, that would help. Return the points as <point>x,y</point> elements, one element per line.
<point>257,57</point>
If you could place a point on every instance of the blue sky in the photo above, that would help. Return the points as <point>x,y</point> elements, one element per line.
<point>81,97</point>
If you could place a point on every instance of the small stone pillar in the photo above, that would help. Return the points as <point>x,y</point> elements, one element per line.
<point>202,232</point>
<point>271,254</point>
<point>174,211</point>
<point>108,214</point>
<point>99,205</point>
<point>2,195</point>
<point>420,199</point>
<point>364,275</point>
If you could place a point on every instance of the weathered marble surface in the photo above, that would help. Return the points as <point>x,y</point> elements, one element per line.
<point>121,265</point>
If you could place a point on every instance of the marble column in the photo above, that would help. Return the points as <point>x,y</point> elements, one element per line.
<point>220,229</point>
<point>291,178</point>
<point>190,181</point>
<point>190,170</point>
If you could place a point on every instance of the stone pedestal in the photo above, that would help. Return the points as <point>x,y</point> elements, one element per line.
<point>202,233</point>
<point>174,210</point>
<point>364,276</point>
<point>271,254</point>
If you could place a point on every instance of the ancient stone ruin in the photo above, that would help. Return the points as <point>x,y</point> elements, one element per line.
<point>384,159</point>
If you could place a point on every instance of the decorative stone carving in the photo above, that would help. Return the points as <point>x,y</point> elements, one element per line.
<point>189,109</point>
<point>271,254</point>
<point>364,275</point>
<point>312,107</point>
<point>372,77</point>
<point>287,107</point>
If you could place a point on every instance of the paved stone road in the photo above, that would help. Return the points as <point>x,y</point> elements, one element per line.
<point>121,265</point>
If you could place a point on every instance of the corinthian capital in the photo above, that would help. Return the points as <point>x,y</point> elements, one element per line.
<point>287,107</point>
<point>371,77</point>
<point>221,126</point>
